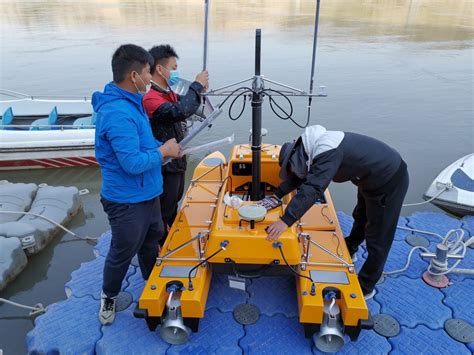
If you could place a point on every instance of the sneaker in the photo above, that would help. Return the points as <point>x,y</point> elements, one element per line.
<point>370,295</point>
<point>107,309</point>
<point>354,257</point>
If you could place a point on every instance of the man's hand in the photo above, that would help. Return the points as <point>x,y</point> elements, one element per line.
<point>274,230</point>
<point>203,79</point>
<point>170,149</point>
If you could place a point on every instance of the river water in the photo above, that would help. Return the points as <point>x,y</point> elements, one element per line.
<point>399,70</point>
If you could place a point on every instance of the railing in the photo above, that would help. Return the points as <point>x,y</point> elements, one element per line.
<point>48,127</point>
<point>44,98</point>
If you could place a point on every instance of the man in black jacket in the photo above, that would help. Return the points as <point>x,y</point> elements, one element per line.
<point>168,112</point>
<point>319,157</point>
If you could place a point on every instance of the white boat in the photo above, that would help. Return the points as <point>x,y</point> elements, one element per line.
<point>46,149</point>
<point>453,188</point>
<point>45,132</point>
<point>26,106</point>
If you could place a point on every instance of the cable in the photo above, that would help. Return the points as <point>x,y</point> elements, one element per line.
<point>53,222</point>
<point>230,183</point>
<point>338,248</point>
<point>271,100</point>
<point>235,118</point>
<point>288,116</point>
<point>171,239</point>
<point>190,282</point>
<point>325,215</point>
<point>247,89</point>
<point>279,245</point>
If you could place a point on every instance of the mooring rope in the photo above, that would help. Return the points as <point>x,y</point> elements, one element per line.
<point>37,309</point>
<point>51,221</point>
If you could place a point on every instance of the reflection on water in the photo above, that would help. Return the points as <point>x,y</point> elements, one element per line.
<point>417,20</point>
<point>400,70</point>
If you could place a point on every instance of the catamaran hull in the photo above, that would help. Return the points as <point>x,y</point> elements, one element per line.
<point>210,236</point>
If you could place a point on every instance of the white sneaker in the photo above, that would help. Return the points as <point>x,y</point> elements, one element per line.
<point>369,295</point>
<point>107,309</point>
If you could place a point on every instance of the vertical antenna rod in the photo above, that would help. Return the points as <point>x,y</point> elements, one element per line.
<point>257,98</point>
<point>313,60</point>
<point>206,24</point>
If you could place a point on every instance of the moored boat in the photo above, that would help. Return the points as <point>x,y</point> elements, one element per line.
<point>45,132</point>
<point>46,149</point>
<point>453,189</point>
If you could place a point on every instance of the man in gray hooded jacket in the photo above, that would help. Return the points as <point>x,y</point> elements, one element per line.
<point>380,174</point>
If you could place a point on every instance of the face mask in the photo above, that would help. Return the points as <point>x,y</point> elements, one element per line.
<point>147,87</point>
<point>174,76</point>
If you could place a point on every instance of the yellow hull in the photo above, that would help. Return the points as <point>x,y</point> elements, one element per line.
<point>216,227</point>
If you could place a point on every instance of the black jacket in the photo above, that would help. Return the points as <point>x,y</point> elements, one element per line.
<point>168,120</point>
<point>367,162</point>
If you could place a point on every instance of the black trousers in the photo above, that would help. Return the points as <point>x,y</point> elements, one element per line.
<point>173,189</point>
<point>375,220</point>
<point>136,229</point>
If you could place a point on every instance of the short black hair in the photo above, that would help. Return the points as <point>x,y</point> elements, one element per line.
<point>161,54</point>
<point>129,57</point>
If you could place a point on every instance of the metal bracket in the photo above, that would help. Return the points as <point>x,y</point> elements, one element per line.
<point>344,263</point>
<point>198,237</point>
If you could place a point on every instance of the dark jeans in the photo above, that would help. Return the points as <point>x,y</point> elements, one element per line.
<point>375,220</point>
<point>136,229</point>
<point>173,189</point>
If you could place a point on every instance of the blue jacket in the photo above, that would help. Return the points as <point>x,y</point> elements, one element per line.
<point>125,148</point>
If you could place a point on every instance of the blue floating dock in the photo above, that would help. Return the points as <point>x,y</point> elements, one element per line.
<point>72,326</point>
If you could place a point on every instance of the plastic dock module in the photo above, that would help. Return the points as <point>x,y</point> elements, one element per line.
<point>217,269</point>
<point>420,310</point>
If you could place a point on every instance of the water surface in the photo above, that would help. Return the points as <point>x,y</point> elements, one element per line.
<point>400,70</point>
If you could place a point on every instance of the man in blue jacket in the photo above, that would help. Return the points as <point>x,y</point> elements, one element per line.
<point>130,160</point>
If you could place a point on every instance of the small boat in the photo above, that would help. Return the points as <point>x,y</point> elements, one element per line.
<point>453,188</point>
<point>46,149</point>
<point>45,132</point>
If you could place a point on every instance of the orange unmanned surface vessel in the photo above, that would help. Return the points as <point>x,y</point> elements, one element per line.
<point>210,236</point>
